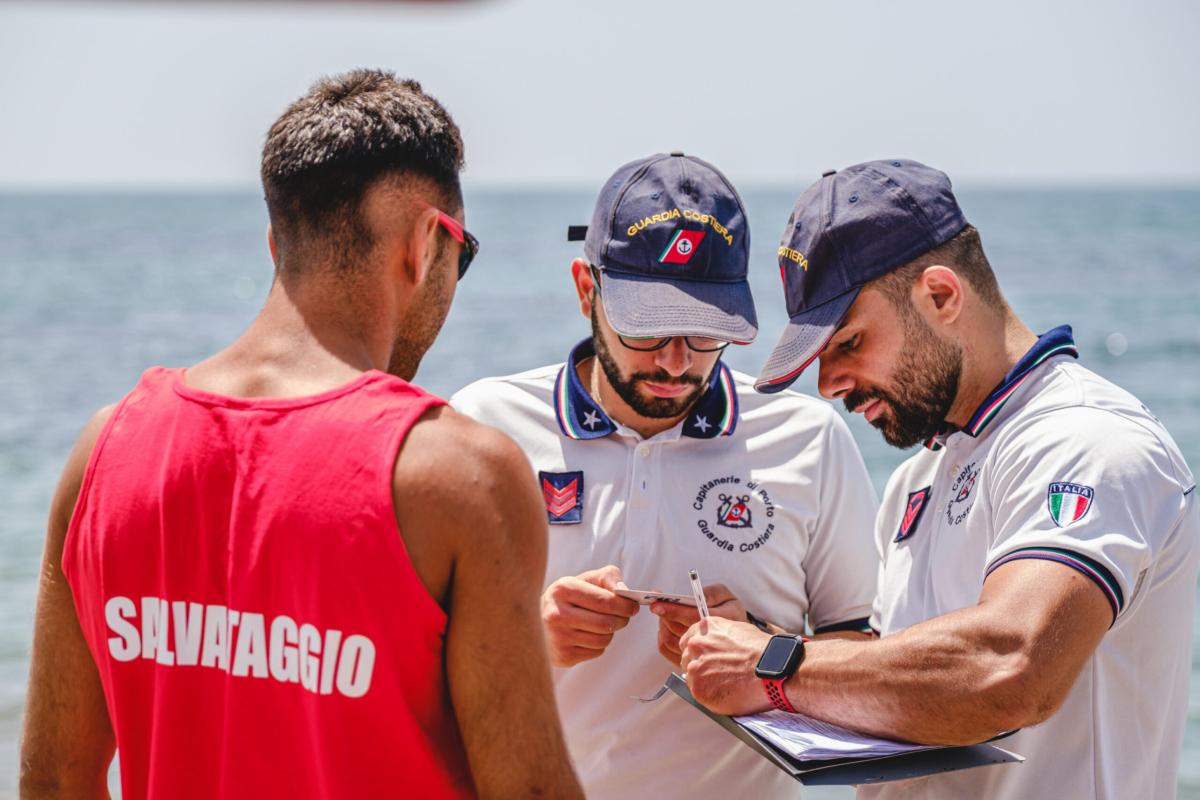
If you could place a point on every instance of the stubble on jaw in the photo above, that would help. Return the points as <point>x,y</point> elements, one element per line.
<point>924,386</point>
<point>419,329</point>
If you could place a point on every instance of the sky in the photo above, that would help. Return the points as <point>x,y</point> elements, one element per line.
<point>145,95</point>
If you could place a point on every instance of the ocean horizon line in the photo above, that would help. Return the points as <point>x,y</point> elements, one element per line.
<point>549,188</point>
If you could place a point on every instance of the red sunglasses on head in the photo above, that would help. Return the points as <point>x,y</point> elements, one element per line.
<point>470,245</point>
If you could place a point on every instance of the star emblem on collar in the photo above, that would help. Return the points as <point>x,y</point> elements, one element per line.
<point>702,423</point>
<point>591,420</point>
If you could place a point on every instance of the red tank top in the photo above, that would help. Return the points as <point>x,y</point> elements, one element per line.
<point>242,585</point>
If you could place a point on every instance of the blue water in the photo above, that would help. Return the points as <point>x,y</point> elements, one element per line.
<point>93,289</point>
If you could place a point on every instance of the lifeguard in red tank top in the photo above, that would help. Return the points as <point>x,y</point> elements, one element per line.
<point>241,582</point>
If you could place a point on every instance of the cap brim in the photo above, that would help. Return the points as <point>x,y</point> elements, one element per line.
<point>803,339</point>
<point>640,305</point>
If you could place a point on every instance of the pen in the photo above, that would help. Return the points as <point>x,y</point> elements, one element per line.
<point>698,593</point>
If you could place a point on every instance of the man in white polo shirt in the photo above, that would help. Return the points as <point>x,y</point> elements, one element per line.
<point>1040,551</point>
<point>655,458</point>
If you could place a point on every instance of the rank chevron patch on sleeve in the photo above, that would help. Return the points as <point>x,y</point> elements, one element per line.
<point>563,493</point>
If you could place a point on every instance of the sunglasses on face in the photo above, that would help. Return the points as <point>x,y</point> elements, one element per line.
<point>470,245</point>
<point>698,344</point>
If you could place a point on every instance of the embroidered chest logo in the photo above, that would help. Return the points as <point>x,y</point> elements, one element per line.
<point>961,493</point>
<point>734,513</point>
<point>681,247</point>
<point>912,514</point>
<point>736,503</point>
<point>563,493</point>
<point>1068,502</point>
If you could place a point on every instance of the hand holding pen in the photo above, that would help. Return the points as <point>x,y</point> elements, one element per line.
<point>716,600</point>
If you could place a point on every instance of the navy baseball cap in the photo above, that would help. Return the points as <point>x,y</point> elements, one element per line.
<point>847,229</point>
<point>670,238</point>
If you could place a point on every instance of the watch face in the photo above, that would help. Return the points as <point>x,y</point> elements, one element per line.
<point>777,657</point>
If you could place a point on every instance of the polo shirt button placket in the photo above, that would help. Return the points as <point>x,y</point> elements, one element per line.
<point>640,475</point>
<point>629,502</point>
<point>638,469</point>
<point>641,503</point>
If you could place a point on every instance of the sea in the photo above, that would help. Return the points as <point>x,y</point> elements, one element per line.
<point>95,288</point>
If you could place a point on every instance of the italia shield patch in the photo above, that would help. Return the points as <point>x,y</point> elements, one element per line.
<point>1068,502</point>
<point>563,493</point>
<point>912,513</point>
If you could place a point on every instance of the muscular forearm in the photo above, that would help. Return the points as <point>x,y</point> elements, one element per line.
<point>853,636</point>
<point>1008,662</point>
<point>951,680</point>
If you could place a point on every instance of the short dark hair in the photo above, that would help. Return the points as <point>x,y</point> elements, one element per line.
<point>963,253</point>
<point>330,146</point>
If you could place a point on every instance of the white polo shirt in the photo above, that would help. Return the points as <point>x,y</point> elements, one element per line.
<point>768,495</point>
<point>1059,464</point>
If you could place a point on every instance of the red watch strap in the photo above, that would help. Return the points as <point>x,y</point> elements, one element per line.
<point>777,696</point>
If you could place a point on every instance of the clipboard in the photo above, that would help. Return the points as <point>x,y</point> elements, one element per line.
<point>854,771</point>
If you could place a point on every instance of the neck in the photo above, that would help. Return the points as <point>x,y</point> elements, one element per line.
<point>307,338</point>
<point>996,349</point>
<point>592,375</point>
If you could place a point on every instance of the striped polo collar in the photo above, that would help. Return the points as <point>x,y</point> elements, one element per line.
<point>580,416</point>
<point>1056,342</point>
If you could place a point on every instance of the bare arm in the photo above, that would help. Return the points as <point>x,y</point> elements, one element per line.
<point>850,636</point>
<point>1007,662</point>
<point>479,500</point>
<point>67,742</point>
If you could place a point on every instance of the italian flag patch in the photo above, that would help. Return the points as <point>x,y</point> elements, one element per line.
<point>1068,502</point>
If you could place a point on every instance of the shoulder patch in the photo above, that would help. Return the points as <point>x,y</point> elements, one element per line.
<point>912,513</point>
<point>1068,502</point>
<point>563,493</point>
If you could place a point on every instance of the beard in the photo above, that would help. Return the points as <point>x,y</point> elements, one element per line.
<point>420,327</point>
<point>924,385</point>
<point>627,388</point>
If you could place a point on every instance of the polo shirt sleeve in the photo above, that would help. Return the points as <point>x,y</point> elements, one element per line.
<point>467,400</point>
<point>476,401</point>
<point>842,563</point>
<point>1087,488</point>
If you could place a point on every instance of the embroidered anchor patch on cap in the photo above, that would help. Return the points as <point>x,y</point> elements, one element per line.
<point>681,247</point>
<point>563,493</point>
<point>1068,502</point>
<point>912,513</point>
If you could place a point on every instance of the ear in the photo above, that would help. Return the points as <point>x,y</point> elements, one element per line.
<point>938,294</point>
<point>585,287</point>
<point>271,244</point>
<point>422,247</point>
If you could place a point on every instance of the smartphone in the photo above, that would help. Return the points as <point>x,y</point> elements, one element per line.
<point>645,597</point>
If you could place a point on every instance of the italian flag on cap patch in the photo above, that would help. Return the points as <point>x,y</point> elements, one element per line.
<point>1068,502</point>
<point>683,244</point>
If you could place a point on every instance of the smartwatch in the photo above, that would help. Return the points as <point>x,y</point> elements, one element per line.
<point>778,662</point>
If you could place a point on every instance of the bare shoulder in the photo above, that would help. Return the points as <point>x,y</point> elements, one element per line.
<point>461,477</point>
<point>71,480</point>
<point>92,430</point>
<point>446,450</point>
